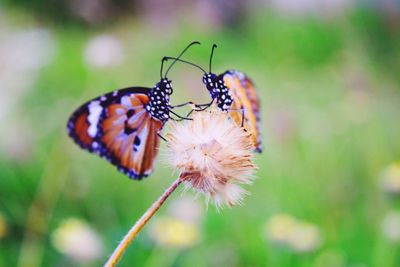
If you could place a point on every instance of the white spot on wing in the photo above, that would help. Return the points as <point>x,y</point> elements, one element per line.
<point>120,120</point>
<point>126,101</point>
<point>240,75</point>
<point>120,111</point>
<point>93,118</point>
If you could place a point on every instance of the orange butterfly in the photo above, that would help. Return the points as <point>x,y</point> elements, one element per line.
<point>123,126</point>
<point>233,91</point>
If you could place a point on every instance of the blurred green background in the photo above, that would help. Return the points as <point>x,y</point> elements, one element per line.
<point>326,192</point>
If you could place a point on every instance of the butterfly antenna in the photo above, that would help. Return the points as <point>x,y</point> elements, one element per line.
<point>177,58</point>
<point>187,62</point>
<point>162,66</point>
<point>212,53</point>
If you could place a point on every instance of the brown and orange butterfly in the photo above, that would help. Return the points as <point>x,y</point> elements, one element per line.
<point>123,126</point>
<point>235,93</point>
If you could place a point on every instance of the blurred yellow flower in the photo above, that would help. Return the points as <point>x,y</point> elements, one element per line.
<point>185,209</point>
<point>391,226</point>
<point>390,180</point>
<point>171,232</point>
<point>305,237</point>
<point>3,226</point>
<point>77,240</point>
<point>287,231</point>
<point>280,227</point>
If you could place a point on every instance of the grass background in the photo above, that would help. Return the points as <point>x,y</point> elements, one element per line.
<point>330,119</point>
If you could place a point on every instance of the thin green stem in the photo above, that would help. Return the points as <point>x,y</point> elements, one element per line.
<point>134,231</point>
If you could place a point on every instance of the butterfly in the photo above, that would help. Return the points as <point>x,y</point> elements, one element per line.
<point>233,91</point>
<point>123,126</point>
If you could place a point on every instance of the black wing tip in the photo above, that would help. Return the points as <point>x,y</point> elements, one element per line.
<point>259,148</point>
<point>75,138</point>
<point>104,153</point>
<point>132,174</point>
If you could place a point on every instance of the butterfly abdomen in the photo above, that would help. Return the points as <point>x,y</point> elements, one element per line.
<point>223,95</point>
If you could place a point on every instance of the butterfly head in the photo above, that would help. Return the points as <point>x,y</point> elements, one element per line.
<point>210,80</point>
<point>218,90</point>
<point>165,85</point>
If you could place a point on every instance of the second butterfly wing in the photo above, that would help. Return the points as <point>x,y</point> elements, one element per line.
<point>245,106</point>
<point>118,127</point>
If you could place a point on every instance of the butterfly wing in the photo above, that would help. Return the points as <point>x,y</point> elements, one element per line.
<point>117,126</point>
<point>244,98</point>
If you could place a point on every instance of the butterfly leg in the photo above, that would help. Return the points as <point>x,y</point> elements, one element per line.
<point>190,112</point>
<point>241,125</point>
<point>162,137</point>
<point>242,109</point>
<point>177,119</point>
<point>182,105</point>
<point>179,116</point>
<point>183,118</point>
<point>202,107</point>
<point>198,107</point>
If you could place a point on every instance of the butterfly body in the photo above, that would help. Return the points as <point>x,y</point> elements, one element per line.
<point>159,104</point>
<point>233,91</point>
<point>218,90</point>
<point>122,126</point>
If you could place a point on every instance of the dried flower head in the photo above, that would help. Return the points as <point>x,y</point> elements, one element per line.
<point>214,155</point>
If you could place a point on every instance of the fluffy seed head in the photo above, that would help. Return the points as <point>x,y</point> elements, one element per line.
<point>213,155</point>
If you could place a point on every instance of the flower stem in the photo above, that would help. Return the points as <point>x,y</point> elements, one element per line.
<point>133,232</point>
